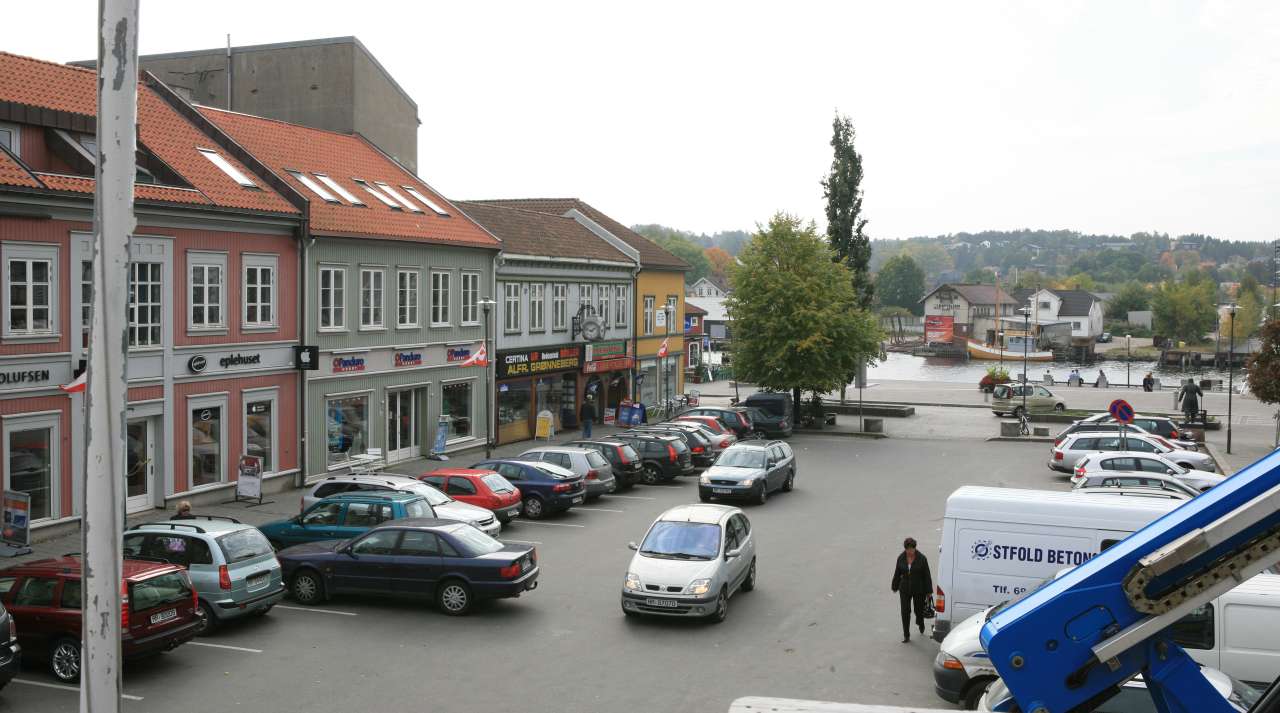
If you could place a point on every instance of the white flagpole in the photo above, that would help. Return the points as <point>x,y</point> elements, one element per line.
<point>108,346</point>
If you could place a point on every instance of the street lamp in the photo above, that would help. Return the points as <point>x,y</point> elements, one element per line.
<point>1231,368</point>
<point>1127,358</point>
<point>1026,381</point>
<point>491,406</point>
<point>670,309</point>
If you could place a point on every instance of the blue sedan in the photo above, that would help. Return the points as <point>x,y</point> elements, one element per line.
<point>545,488</point>
<point>417,558</point>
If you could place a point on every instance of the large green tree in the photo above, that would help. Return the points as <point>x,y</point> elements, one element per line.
<point>1131,297</point>
<point>797,324</point>
<point>900,283</point>
<point>1264,367</point>
<point>843,190</point>
<point>691,253</point>
<point>1184,310</point>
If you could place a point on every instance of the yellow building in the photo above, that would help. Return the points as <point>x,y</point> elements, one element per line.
<point>659,281</point>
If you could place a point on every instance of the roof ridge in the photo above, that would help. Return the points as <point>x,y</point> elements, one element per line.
<point>351,135</point>
<point>50,63</point>
<point>557,216</point>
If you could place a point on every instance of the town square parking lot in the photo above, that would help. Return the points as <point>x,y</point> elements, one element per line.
<point>821,624</point>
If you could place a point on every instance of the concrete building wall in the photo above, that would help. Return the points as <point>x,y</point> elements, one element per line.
<point>383,113</point>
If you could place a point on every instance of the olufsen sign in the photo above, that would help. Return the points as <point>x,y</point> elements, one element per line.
<point>34,375</point>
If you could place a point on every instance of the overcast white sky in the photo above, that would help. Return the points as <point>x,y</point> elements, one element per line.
<point>1109,117</point>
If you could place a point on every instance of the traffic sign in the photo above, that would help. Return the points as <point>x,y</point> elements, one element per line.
<point>1121,411</point>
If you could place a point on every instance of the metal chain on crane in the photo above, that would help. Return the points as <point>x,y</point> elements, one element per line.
<point>1225,567</point>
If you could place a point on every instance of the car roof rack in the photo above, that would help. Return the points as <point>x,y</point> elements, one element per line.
<point>223,518</point>
<point>169,525</point>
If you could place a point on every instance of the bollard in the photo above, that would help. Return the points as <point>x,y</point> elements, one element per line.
<point>1008,428</point>
<point>1040,430</point>
<point>873,425</point>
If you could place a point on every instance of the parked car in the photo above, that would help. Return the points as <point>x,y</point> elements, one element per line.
<point>628,469</point>
<point>1145,424</point>
<point>451,562</point>
<point>1139,463</point>
<point>775,418</point>
<point>1104,338</point>
<point>1155,481</point>
<point>481,488</point>
<point>1162,426</point>
<point>1134,698</point>
<point>662,457</point>
<point>10,649</point>
<point>691,561</point>
<point>44,599</point>
<point>750,470</point>
<point>724,436</point>
<point>695,439</point>
<point>1065,455</point>
<point>1007,399</point>
<point>546,488</point>
<point>231,565</point>
<point>736,418</point>
<point>443,505</point>
<point>341,517</point>
<point>581,461</point>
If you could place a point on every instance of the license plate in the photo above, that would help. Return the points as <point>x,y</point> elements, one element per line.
<point>259,581</point>
<point>721,491</point>
<point>578,500</point>
<point>164,616</point>
<point>668,603</point>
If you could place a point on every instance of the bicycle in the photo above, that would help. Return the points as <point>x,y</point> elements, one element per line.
<point>1024,423</point>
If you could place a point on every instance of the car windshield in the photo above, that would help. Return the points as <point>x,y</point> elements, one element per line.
<point>1243,694</point>
<point>595,460</point>
<point>474,543</point>
<point>630,453</point>
<point>742,458</point>
<point>554,471</point>
<point>431,495</point>
<point>244,545</point>
<point>417,508</point>
<point>682,540</point>
<point>169,588</point>
<point>497,483</point>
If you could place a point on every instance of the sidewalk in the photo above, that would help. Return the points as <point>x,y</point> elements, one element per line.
<point>286,503</point>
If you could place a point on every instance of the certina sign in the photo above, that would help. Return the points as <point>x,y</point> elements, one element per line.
<point>991,550</point>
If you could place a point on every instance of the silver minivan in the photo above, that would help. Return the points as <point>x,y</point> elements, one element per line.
<point>692,559</point>
<point>592,466</point>
<point>232,566</point>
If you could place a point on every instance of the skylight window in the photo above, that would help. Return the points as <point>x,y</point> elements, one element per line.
<point>337,188</point>
<point>377,194</point>
<point>225,166</point>
<point>316,188</point>
<point>425,200</point>
<point>399,198</point>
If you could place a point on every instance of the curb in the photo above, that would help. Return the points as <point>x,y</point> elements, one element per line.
<point>843,434</point>
<point>1021,439</point>
<point>1213,453</point>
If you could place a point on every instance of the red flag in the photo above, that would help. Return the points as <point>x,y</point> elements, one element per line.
<point>480,358</point>
<point>76,386</point>
<point>662,350</point>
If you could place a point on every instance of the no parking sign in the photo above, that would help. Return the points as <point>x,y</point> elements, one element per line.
<point>1121,411</point>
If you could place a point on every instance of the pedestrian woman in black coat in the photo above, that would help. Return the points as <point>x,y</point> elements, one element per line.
<point>912,582</point>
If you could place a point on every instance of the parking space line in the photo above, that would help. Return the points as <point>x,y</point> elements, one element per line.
<point>523,542</point>
<point>549,524</point>
<point>611,496</point>
<point>73,689</point>
<point>597,510</point>
<point>317,611</point>
<point>224,646</point>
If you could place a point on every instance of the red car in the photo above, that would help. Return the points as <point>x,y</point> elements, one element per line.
<point>482,488</point>
<point>44,598</point>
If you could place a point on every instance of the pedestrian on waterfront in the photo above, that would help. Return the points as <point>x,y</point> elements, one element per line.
<point>184,511</point>
<point>1074,379</point>
<point>588,415</point>
<point>1191,395</point>
<point>1101,381</point>
<point>1148,382</point>
<point>912,582</point>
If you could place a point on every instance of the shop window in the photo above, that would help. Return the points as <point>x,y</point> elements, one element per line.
<point>206,278</point>
<point>560,306</point>
<point>371,299</point>
<point>206,445</point>
<point>30,468</point>
<point>455,405</point>
<point>31,290</point>
<point>348,428</point>
<point>513,410</point>
<point>259,290</point>
<point>145,304</point>
<point>259,430</point>
<point>471,298</point>
<point>333,297</point>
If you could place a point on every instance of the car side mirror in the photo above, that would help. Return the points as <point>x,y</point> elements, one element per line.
<point>633,546</point>
<point>1169,471</point>
<point>348,552</point>
<point>735,552</point>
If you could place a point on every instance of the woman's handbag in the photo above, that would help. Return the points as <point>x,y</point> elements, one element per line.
<point>929,613</point>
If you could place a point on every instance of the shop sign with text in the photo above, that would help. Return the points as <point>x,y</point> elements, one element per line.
<point>538,361</point>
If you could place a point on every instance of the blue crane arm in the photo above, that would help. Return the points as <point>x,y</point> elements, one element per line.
<point>1072,643</point>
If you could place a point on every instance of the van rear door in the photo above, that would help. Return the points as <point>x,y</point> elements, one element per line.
<point>1250,645</point>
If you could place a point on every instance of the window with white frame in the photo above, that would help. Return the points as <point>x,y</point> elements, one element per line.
<point>29,271</point>
<point>537,307</point>
<point>585,297</point>
<point>439,299</point>
<point>694,349</point>
<point>333,297</point>
<point>471,298</point>
<point>371,298</point>
<point>620,306</point>
<point>259,290</point>
<point>559,306</point>
<point>86,294</point>
<point>207,281</point>
<point>406,298</point>
<point>648,314</point>
<point>260,427</point>
<point>32,456</point>
<point>207,440</point>
<point>145,303</point>
<point>511,307</point>
<point>605,297</point>
<point>9,138</point>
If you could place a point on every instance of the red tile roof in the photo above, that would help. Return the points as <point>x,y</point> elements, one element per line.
<point>651,254</point>
<point>13,173</point>
<point>161,130</point>
<point>143,191</point>
<point>527,232</point>
<point>283,146</point>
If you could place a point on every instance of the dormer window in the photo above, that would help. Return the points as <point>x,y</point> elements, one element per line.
<point>226,167</point>
<point>377,194</point>
<point>337,188</point>
<point>316,188</point>
<point>425,200</point>
<point>399,198</point>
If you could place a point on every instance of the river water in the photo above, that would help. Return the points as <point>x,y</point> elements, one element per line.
<point>914,368</point>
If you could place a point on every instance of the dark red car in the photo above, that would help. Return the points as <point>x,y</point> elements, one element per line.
<point>482,488</point>
<point>44,598</point>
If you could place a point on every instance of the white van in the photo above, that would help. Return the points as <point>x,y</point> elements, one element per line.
<point>1237,633</point>
<point>999,542</point>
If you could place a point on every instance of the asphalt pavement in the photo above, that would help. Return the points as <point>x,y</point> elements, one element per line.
<point>822,623</point>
